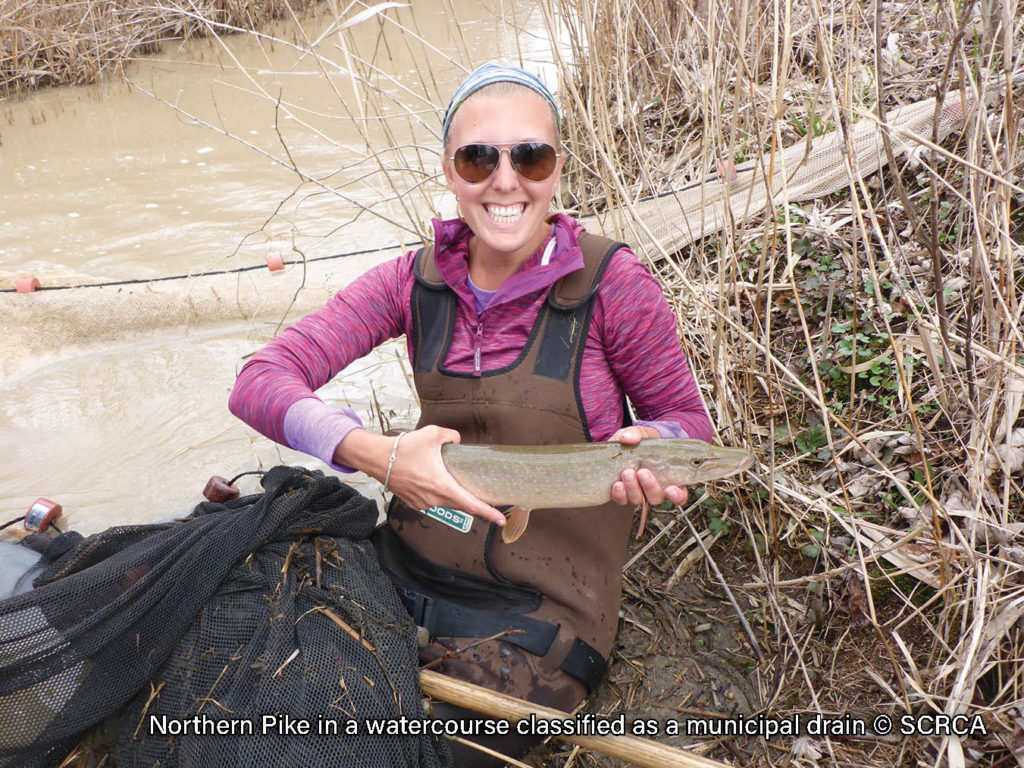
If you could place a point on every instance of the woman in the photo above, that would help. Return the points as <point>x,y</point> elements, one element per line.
<point>522,329</point>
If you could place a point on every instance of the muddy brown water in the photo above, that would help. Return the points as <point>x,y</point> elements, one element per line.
<point>108,182</point>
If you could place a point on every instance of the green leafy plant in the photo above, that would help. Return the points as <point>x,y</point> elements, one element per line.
<point>811,440</point>
<point>718,525</point>
<point>813,549</point>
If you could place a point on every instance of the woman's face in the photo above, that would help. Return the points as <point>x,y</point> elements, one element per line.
<point>506,211</point>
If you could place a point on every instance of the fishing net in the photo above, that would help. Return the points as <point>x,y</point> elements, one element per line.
<point>257,632</point>
<point>74,319</point>
<point>55,319</point>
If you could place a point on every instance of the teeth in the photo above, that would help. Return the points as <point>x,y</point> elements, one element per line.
<point>506,214</point>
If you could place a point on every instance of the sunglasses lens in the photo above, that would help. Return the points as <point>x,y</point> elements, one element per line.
<point>475,162</point>
<point>533,160</point>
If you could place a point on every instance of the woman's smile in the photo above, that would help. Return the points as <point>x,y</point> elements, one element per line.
<point>505,214</point>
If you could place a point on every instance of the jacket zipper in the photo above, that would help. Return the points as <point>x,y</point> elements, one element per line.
<point>479,344</point>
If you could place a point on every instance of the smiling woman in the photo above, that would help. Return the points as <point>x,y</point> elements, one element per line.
<point>522,329</point>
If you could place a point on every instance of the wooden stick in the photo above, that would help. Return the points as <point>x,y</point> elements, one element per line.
<point>725,585</point>
<point>341,623</point>
<point>636,751</point>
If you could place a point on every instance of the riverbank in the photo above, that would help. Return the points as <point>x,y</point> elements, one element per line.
<point>862,341</point>
<point>74,42</point>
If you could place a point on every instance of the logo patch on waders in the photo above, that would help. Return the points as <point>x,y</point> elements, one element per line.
<point>453,518</point>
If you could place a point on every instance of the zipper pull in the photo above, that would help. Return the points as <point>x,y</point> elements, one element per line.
<point>479,344</point>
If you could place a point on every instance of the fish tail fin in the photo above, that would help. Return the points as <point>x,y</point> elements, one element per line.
<point>517,519</point>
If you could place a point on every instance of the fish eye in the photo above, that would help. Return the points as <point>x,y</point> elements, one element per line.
<point>698,462</point>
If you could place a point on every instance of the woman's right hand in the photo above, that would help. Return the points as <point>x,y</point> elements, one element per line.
<point>418,475</point>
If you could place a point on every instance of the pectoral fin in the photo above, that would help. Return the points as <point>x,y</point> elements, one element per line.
<point>643,519</point>
<point>517,519</point>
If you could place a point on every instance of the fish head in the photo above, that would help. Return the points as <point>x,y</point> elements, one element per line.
<point>700,463</point>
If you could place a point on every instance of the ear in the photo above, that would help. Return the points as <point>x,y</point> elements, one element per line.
<point>449,172</point>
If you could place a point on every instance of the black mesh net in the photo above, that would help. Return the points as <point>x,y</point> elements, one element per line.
<point>257,632</point>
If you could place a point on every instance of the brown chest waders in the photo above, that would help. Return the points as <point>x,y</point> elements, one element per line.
<point>558,587</point>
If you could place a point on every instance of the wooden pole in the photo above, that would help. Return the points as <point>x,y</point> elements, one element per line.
<point>640,752</point>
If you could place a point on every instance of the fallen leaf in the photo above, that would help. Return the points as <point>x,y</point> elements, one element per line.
<point>853,600</point>
<point>805,752</point>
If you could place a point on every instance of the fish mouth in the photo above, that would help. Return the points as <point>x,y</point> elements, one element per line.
<point>724,466</point>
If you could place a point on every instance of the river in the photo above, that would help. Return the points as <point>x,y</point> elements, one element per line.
<point>215,155</point>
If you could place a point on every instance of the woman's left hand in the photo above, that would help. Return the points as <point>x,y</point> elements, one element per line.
<point>636,487</point>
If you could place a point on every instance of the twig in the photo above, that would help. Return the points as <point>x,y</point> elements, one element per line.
<point>153,693</point>
<point>728,592</point>
<point>451,653</point>
<point>341,623</point>
<point>287,661</point>
<point>688,562</point>
<point>487,751</point>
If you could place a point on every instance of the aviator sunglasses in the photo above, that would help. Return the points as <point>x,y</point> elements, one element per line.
<point>533,160</point>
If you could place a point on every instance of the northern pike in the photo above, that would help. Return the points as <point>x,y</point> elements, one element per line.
<point>580,475</point>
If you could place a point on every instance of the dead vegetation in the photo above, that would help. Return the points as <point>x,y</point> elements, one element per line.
<point>72,42</point>
<point>865,343</point>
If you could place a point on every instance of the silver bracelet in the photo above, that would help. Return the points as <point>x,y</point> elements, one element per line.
<point>391,461</point>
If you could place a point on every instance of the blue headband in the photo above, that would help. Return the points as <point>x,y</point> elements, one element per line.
<point>494,73</point>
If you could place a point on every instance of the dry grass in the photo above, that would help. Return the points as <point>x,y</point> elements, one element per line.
<point>72,42</point>
<point>866,344</point>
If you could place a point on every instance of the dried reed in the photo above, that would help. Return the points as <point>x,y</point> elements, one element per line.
<point>71,42</point>
<point>895,301</point>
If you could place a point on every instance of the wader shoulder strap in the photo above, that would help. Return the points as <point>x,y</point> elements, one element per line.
<point>425,268</point>
<point>433,312</point>
<point>569,306</point>
<point>577,287</point>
